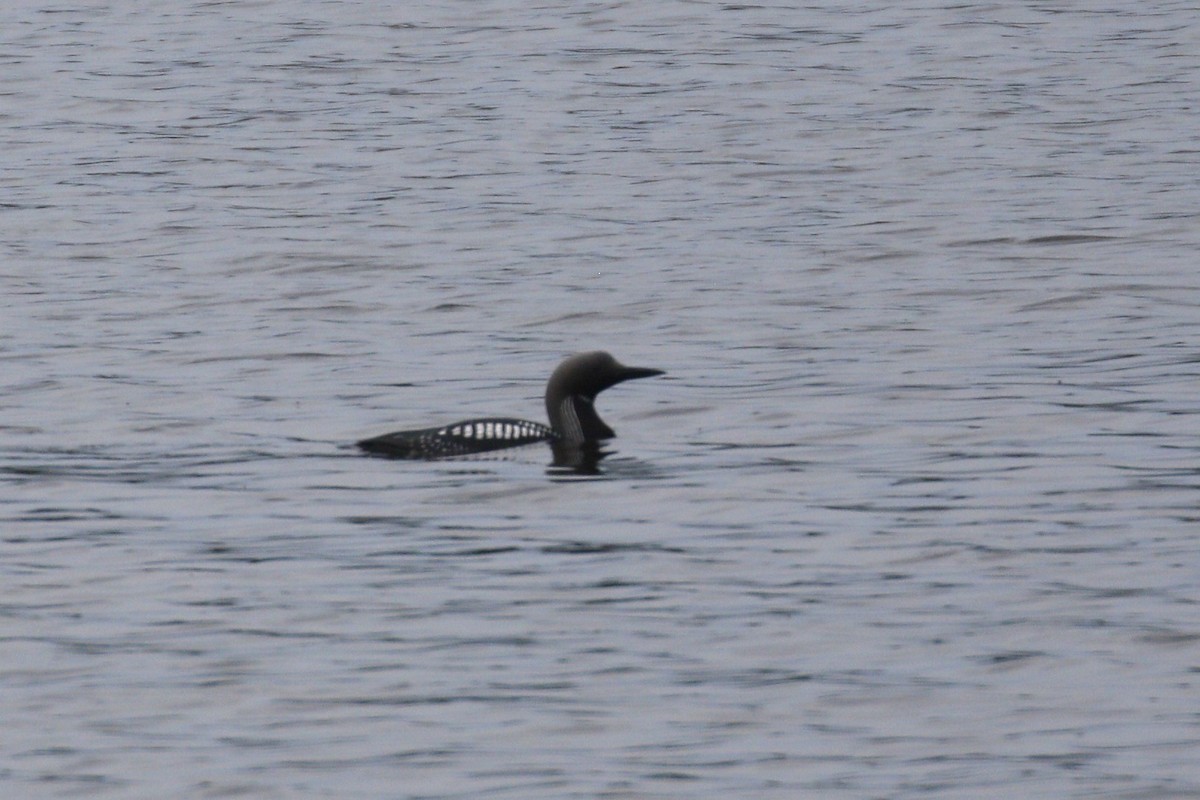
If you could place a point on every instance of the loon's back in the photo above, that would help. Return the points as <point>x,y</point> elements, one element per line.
<point>459,439</point>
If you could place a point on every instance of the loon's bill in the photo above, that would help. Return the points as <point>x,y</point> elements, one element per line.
<point>570,398</point>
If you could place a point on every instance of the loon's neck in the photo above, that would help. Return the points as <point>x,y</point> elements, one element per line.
<point>574,419</point>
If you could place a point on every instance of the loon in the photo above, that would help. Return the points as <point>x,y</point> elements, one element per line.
<point>570,395</point>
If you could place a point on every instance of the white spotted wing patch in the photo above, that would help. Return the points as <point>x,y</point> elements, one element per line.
<point>459,439</point>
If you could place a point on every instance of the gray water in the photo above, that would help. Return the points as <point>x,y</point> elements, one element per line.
<point>912,515</point>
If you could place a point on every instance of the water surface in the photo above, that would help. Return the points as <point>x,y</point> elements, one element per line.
<point>911,515</point>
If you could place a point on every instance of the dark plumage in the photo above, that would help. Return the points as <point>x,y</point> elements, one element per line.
<point>570,398</point>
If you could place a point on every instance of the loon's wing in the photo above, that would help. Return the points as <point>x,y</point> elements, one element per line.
<point>460,439</point>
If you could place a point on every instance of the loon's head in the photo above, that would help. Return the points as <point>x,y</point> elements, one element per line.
<point>573,388</point>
